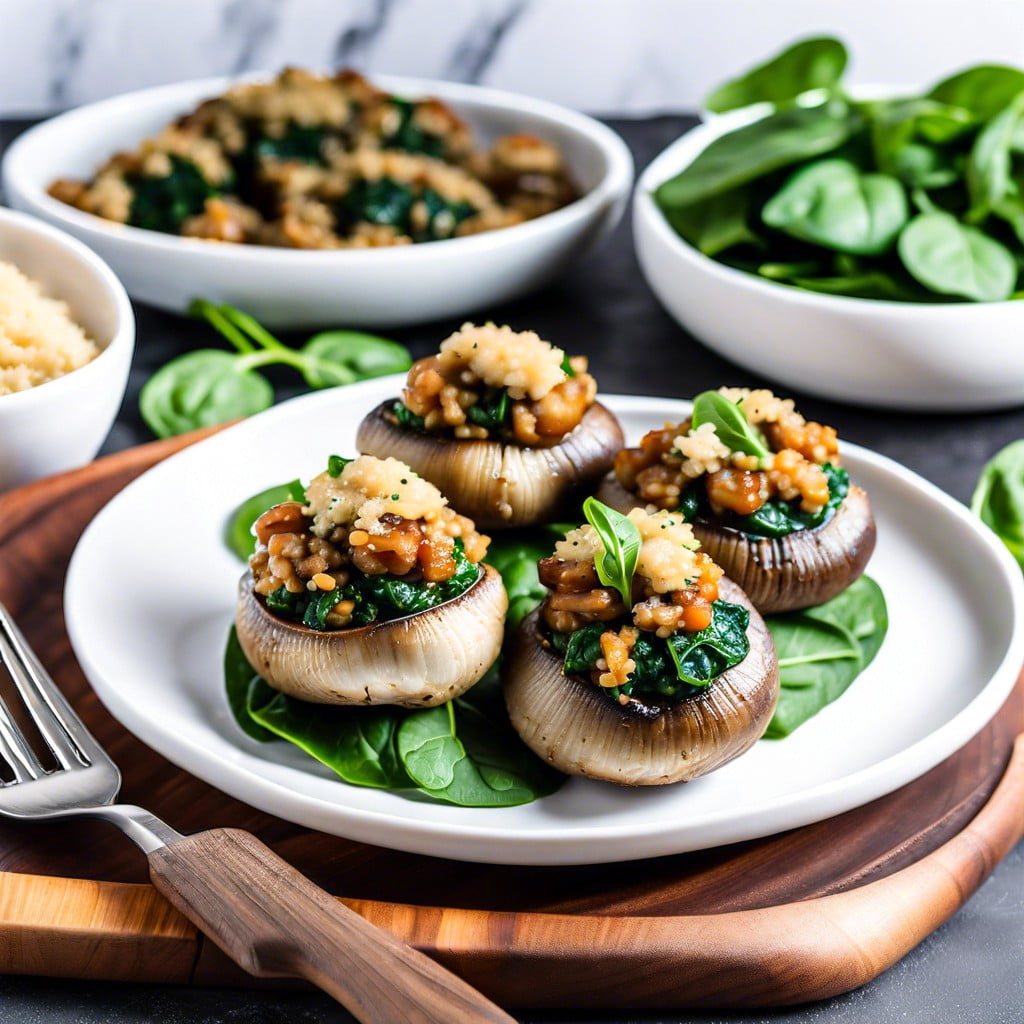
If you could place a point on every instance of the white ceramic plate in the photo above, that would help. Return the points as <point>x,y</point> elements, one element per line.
<point>150,597</point>
<point>385,287</point>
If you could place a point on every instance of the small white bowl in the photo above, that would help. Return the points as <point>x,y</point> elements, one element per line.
<point>388,287</point>
<point>62,424</point>
<point>944,357</point>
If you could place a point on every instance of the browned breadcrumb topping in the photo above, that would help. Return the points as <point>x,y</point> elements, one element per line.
<point>669,459</point>
<point>287,163</point>
<point>544,402</point>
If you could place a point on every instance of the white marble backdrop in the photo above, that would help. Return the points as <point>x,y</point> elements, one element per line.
<point>604,56</point>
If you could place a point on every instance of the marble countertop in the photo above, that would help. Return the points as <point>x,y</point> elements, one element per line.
<point>971,971</point>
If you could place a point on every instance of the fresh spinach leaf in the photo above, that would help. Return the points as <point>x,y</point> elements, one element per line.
<point>620,539</point>
<point>436,759</point>
<point>465,753</point>
<point>983,90</point>
<point>957,259</point>
<point>823,649</point>
<point>239,536</point>
<point>514,554</point>
<point>210,386</point>
<point>998,498</point>
<point>731,424</point>
<point>239,678</point>
<point>333,358</point>
<point>989,165</point>
<point>773,142</point>
<point>808,64</point>
<point>833,204</point>
<point>716,224</point>
<point>200,389</point>
<point>357,743</point>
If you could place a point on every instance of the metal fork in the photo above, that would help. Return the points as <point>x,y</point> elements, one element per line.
<point>263,913</point>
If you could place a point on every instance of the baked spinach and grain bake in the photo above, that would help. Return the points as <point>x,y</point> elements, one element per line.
<point>323,162</point>
<point>764,491</point>
<point>505,423</point>
<point>644,665</point>
<point>359,594</point>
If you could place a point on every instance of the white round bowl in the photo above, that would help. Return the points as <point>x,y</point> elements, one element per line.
<point>388,287</point>
<point>942,357</point>
<point>62,424</point>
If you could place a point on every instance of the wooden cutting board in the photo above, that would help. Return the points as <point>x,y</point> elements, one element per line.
<point>795,917</point>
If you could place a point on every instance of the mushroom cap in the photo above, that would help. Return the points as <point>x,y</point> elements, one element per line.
<point>497,484</point>
<point>421,660</point>
<point>570,723</point>
<point>783,574</point>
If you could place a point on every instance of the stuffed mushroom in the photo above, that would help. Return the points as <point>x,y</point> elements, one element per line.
<point>644,665</point>
<point>764,491</point>
<point>372,592</point>
<point>504,423</point>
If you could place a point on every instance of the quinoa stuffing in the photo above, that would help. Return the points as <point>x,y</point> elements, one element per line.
<point>796,483</point>
<point>493,382</point>
<point>38,339</point>
<point>372,542</point>
<point>673,635</point>
<point>323,162</point>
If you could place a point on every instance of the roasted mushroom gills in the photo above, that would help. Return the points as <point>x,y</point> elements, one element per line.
<point>571,724</point>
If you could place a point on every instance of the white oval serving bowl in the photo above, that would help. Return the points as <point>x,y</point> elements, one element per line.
<point>944,357</point>
<point>62,424</point>
<point>386,287</point>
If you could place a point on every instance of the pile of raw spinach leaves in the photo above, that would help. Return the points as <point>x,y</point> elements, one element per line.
<point>915,198</point>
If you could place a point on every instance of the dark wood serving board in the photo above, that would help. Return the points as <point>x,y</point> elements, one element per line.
<point>795,917</point>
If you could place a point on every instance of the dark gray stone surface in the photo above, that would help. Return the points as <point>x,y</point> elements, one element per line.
<point>969,972</point>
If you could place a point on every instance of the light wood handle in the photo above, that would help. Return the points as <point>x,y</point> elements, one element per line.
<point>274,922</point>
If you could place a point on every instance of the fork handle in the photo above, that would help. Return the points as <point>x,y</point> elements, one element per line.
<point>274,922</point>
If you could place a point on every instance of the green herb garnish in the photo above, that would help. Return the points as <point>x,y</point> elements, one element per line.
<point>620,539</point>
<point>731,425</point>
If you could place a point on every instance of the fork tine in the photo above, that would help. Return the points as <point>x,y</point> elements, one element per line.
<point>19,756</point>
<point>55,720</point>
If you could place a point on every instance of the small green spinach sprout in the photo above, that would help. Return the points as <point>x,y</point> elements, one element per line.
<point>731,424</point>
<point>210,386</point>
<point>620,539</point>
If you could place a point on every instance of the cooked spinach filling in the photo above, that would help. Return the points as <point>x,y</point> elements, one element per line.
<point>297,142</point>
<point>408,137</point>
<point>679,666</point>
<point>164,204</point>
<point>493,411</point>
<point>775,518</point>
<point>390,203</point>
<point>376,598</point>
<point>405,417</point>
